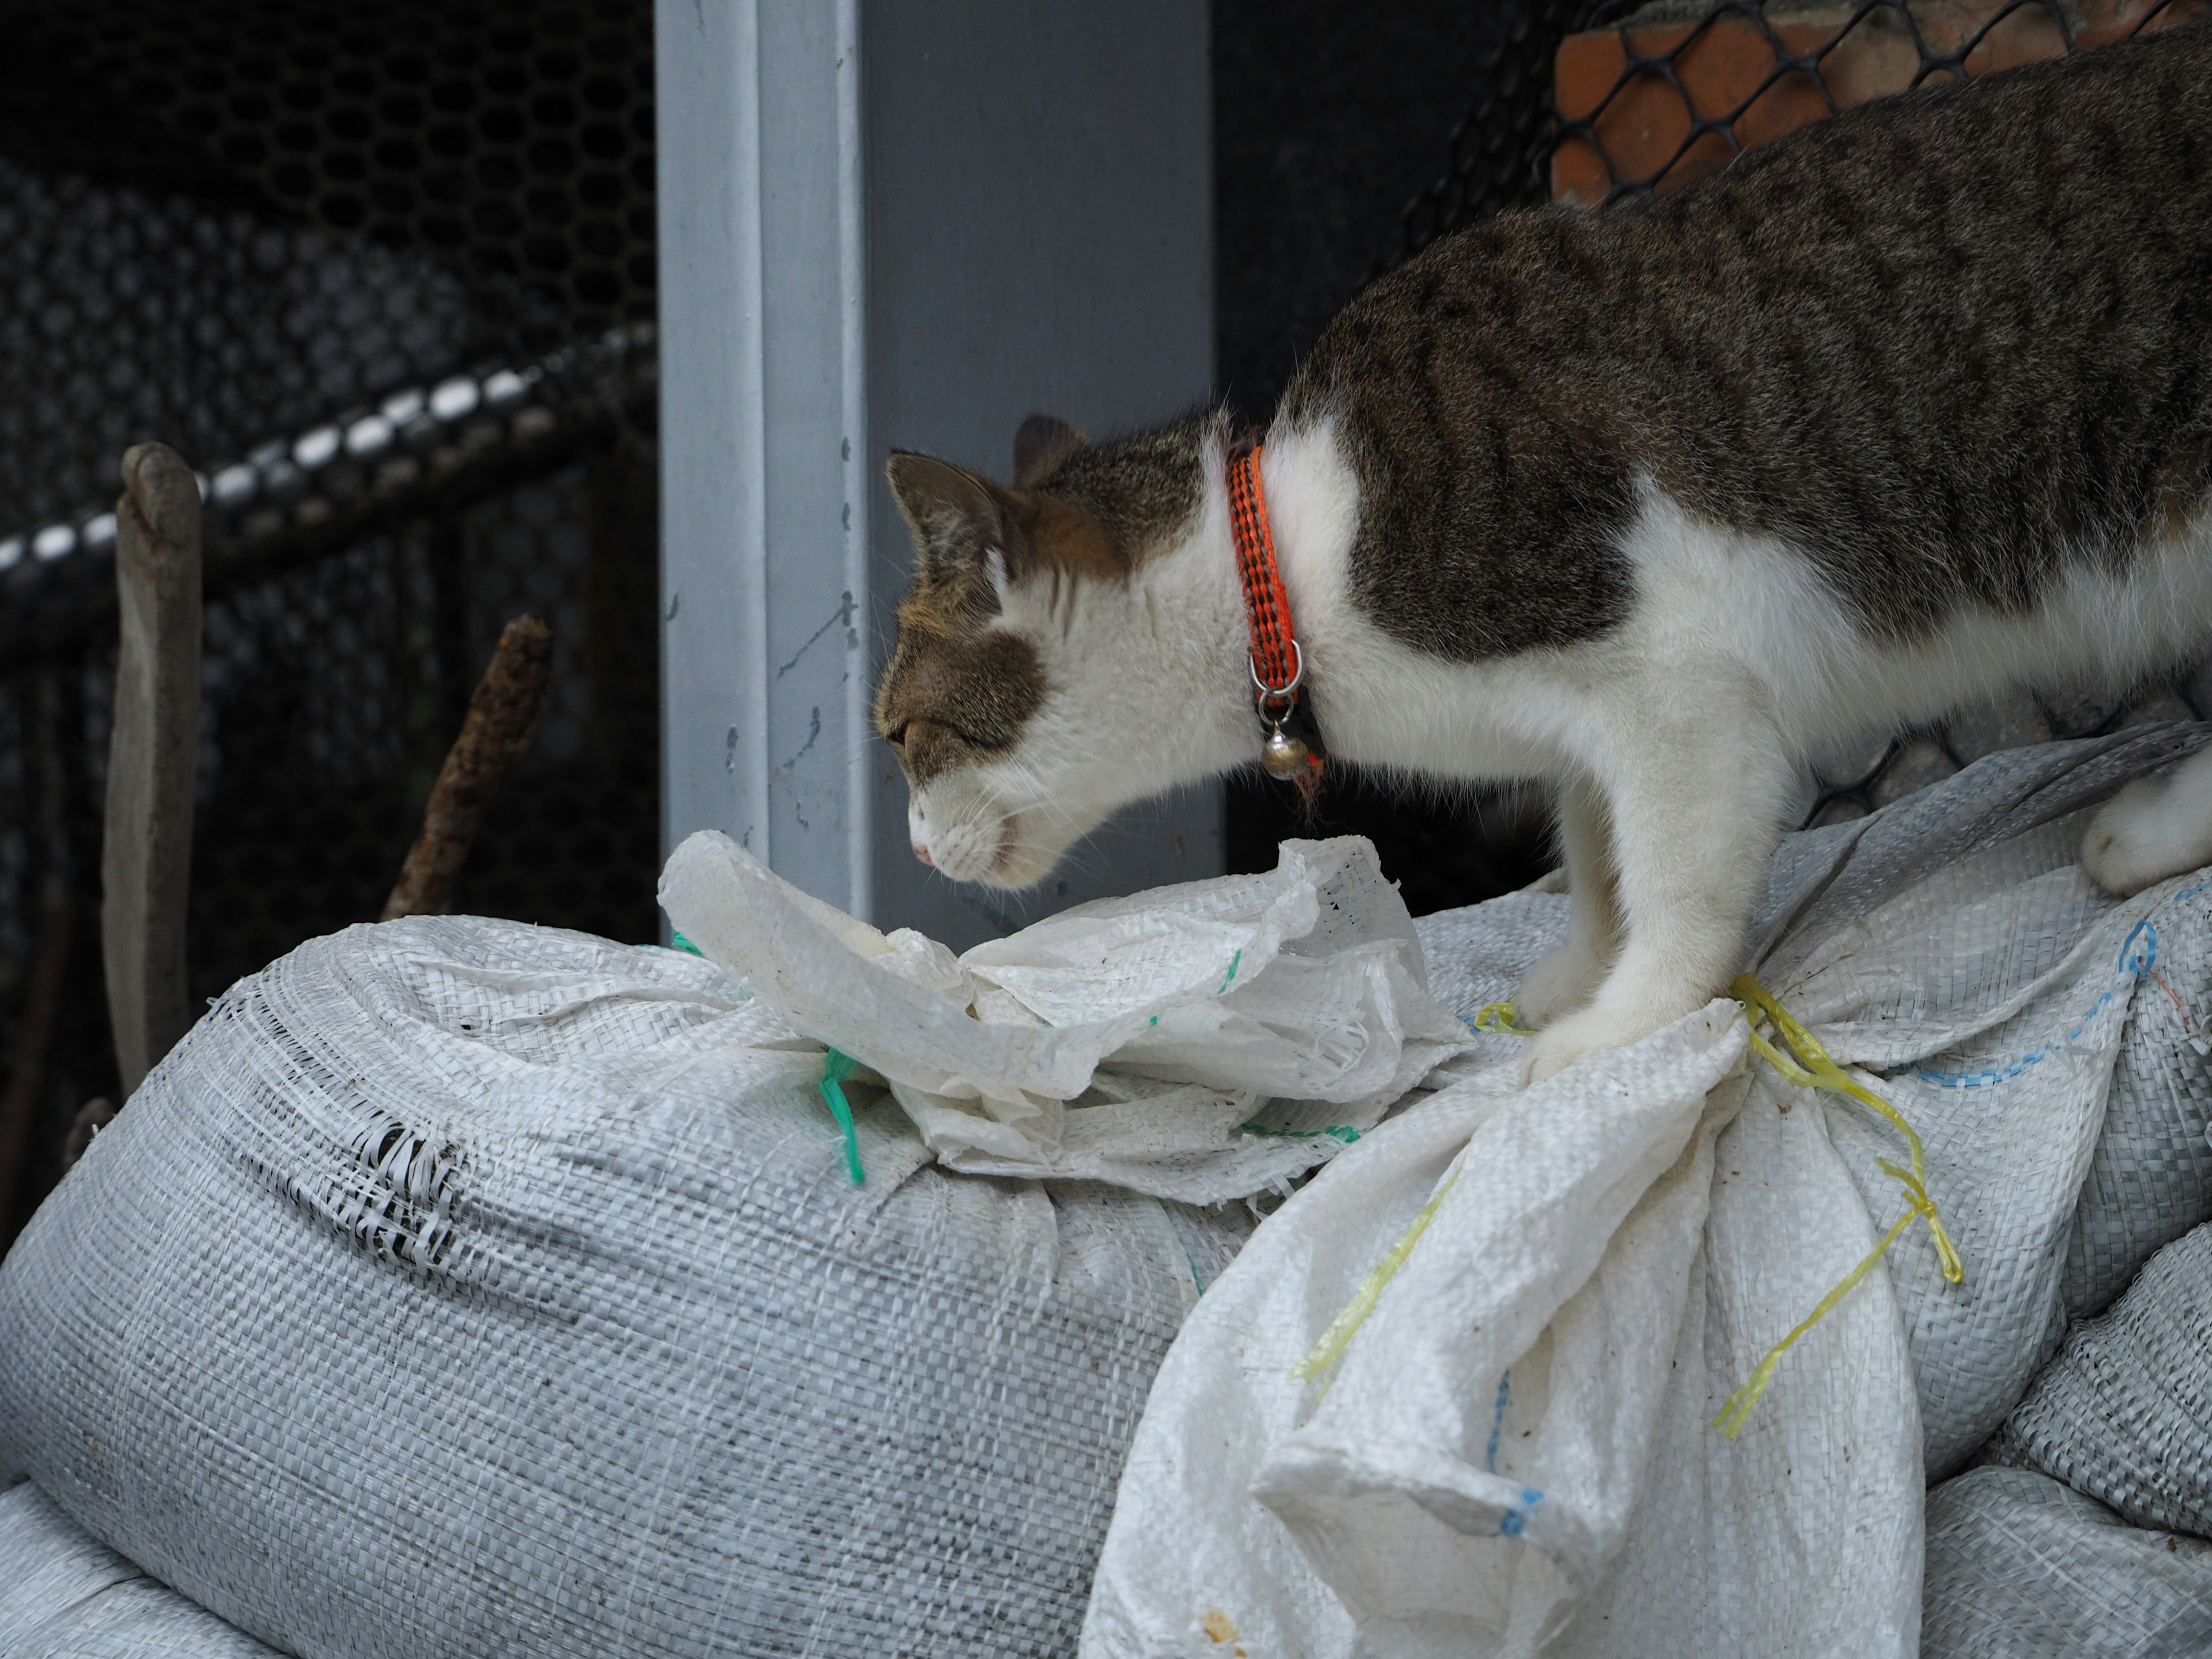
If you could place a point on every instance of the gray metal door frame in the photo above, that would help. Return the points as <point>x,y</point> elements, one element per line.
<point>904,223</point>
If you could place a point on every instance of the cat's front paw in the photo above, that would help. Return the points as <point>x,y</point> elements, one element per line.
<point>2149,831</point>
<point>1558,1047</point>
<point>1563,981</point>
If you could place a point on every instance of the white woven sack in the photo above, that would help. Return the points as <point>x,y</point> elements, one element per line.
<point>1516,1449</point>
<point>1951,944</point>
<point>459,1287</point>
<point>2150,1181</point>
<point>1200,1042</point>
<point>2020,1567</point>
<point>2124,1413</point>
<point>64,1594</point>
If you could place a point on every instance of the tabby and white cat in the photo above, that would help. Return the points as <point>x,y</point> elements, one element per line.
<point>1907,410</point>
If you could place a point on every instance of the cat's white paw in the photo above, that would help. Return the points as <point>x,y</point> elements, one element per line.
<point>2153,828</point>
<point>1558,1047</point>
<point>1563,980</point>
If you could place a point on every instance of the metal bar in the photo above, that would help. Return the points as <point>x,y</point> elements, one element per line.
<point>862,758</point>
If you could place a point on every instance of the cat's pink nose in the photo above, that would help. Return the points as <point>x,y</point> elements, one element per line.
<point>922,853</point>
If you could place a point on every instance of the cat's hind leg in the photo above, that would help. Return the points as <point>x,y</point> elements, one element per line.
<point>2153,828</point>
<point>1696,782</point>
<point>1568,976</point>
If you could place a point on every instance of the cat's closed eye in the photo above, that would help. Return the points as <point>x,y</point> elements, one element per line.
<point>927,747</point>
<point>924,729</point>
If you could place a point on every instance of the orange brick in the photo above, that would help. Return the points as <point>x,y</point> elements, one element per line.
<point>1727,83</point>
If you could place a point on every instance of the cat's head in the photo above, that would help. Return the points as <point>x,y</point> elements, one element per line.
<point>1024,642</point>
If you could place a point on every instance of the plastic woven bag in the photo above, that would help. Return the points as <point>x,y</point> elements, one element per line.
<point>460,1287</point>
<point>64,1594</point>
<point>1564,1288</point>
<point>2020,1567</point>
<point>2124,1413</point>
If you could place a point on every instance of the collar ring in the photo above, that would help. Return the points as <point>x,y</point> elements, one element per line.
<point>1287,693</point>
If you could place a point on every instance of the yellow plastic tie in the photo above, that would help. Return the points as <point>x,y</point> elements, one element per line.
<point>1813,1068</point>
<point>1326,1353</point>
<point>1737,1412</point>
<point>1497,1019</point>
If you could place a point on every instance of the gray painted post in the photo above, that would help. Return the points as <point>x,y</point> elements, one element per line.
<point>146,854</point>
<point>903,224</point>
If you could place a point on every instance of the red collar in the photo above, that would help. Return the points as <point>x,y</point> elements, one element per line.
<point>1278,662</point>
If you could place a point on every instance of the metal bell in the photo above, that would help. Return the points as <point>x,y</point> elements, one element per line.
<point>1284,756</point>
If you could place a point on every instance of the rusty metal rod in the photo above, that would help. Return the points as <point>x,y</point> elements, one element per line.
<point>502,716</point>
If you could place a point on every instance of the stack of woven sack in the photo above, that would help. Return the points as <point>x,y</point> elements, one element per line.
<point>467,1288</point>
<point>1563,1419</point>
<point>461,1287</point>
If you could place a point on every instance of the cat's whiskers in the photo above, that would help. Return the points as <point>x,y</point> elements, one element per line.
<point>1038,800</point>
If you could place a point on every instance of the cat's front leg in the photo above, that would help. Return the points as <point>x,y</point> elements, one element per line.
<point>1695,781</point>
<point>1569,976</point>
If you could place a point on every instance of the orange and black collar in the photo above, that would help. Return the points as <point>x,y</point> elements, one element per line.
<point>1292,749</point>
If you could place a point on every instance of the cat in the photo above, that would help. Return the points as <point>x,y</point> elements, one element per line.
<point>1652,504</point>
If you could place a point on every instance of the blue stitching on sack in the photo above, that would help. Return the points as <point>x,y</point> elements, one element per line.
<point>1497,1417</point>
<point>2128,968</point>
<point>1512,1523</point>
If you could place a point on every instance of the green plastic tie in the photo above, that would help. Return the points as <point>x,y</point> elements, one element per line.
<point>677,942</point>
<point>1343,1131</point>
<point>835,1068</point>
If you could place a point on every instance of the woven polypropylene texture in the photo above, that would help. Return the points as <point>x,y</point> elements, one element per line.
<point>1951,946</point>
<point>1881,925</point>
<point>460,1286</point>
<point>64,1594</point>
<point>1201,1041</point>
<point>2151,1179</point>
<point>1865,890</point>
<point>2018,1567</point>
<point>1949,949</point>
<point>2124,1413</point>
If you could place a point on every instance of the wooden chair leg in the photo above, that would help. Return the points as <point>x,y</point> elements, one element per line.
<point>146,854</point>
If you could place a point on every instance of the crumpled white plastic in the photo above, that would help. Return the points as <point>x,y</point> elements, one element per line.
<point>1200,1041</point>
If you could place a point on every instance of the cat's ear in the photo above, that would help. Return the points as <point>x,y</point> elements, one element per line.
<point>955,514</point>
<point>1041,444</point>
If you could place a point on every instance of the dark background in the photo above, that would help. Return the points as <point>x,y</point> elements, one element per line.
<point>236,224</point>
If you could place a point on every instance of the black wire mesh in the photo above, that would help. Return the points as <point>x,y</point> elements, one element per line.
<point>1679,88</point>
<point>1499,153</point>
<point>386,275</point>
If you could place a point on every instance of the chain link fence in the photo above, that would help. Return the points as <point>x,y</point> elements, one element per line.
<point>385,276</point>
